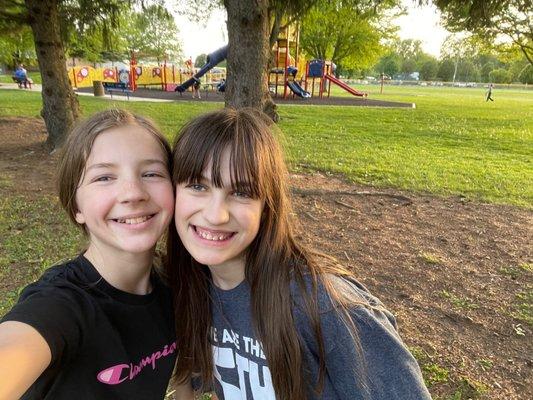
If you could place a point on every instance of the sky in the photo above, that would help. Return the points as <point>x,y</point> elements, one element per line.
<point>420,23</point>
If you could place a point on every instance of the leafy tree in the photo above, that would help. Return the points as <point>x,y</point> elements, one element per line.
<point>17,47</point>
<point>446,70</point>
<point>468,72</point>
<point>342,33</point>
<point>408,66</point>
<point>87,45</point>
<point>409,49</point>
<point>52,23</point>
<point>252,30</point>
<point>458,48</point>
<point>49,21</point>
<point>200,60</point>
<point>429,69</point>
<point>150,33</point>
<point>160,33</point>
<point>521,71</point>
<point>485,71</point>
<point>500,75</point>
<point>389,64</point>
<point>492,19</point>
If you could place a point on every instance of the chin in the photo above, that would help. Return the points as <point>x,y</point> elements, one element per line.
<point>138,248</point>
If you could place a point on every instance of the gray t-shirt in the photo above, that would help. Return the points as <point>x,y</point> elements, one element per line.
<point>388,370</point>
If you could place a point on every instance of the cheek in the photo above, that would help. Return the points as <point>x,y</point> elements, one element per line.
<point>184,208</point>
<point>166,198</point>
<point>253,219</point>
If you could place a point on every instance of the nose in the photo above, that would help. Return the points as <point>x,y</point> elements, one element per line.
<point>216,211</point>
<point>132,190</point>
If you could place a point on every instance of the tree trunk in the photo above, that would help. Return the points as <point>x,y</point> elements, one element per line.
<point>60,105</point>
<point>248,55</point>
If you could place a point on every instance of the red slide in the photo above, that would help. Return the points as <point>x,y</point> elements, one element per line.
<point>343,85</point>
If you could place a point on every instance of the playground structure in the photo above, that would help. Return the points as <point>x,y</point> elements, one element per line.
<point>166,76</point>
<point>212,60</point>
<point>320,72</point>
<point>285,69</point>
<point>286,73</point>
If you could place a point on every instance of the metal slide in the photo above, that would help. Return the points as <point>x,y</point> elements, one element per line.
<point>213,59</point>
<point>344,86</point>
<point>298,90</point>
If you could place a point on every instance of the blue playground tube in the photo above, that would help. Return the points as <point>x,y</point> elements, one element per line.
<point>213,60</point>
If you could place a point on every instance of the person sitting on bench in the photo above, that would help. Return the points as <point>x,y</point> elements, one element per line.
<point>21,77</point>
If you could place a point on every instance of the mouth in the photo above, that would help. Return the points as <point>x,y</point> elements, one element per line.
<point>134,220</point>
<point>213,236</point>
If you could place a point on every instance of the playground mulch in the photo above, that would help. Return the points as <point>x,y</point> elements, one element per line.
<point>456,273</point>
<point>214,96</point>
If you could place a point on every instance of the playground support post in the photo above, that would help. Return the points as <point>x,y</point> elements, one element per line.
<point>286,63</point>
<point>133,63</point>
<point>164,83</point>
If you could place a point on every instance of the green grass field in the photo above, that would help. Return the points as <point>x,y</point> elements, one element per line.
<point>452,143</point>
<point>35,76</point>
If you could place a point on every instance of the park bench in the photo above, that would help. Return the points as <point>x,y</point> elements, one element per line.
<point>117,87</point>
<point>23,82</point>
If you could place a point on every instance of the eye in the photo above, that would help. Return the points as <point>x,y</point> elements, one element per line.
<point>103,178</point>
<point>242,194</point>
<point>153,175</point>
<point>197,187</point>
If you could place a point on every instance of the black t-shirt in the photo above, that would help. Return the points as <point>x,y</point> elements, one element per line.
<point>105,343</point>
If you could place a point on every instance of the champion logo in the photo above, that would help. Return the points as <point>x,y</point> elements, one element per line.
<point>119,373</point>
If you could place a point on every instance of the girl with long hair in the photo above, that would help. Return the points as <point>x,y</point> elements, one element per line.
<point>101,325</point>
<point>259,315</point>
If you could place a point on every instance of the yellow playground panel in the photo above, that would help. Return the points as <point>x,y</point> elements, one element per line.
<point>83,76</point>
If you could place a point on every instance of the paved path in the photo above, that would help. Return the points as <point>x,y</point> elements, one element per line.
<point>38,88</point>
<point>160,96</point>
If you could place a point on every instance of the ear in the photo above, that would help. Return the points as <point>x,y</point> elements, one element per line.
<point>80,218</point>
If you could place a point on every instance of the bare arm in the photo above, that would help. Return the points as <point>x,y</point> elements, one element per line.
<point>24,354</point>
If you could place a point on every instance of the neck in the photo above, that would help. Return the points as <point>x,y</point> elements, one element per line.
<point>127,272</point>
<point>227,277</point>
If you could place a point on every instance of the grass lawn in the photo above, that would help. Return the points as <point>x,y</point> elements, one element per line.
<point>35,76</point>
<point>453,143</point>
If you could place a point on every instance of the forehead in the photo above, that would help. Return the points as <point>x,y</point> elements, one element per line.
<point>125,142</point>
<point>222,165</point>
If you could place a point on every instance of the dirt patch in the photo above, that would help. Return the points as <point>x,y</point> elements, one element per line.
<point>451,270</point>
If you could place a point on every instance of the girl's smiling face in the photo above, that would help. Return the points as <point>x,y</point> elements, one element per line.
<point>125,197</point>
<point>217,224</point>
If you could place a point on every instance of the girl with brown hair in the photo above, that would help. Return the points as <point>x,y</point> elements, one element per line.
<point>259,315</point>
<point>100,325</point>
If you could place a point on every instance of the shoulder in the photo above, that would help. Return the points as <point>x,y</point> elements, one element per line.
<point>57,306</point>
<point>61,291</point>
<point>336,300</point>
<point>327,289</point>
<point>63,280</point>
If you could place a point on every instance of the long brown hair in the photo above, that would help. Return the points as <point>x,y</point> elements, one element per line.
<point>273,259</point>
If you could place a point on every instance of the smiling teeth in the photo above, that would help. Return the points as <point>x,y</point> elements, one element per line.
<point>131,221</point>
<point>213,236</point>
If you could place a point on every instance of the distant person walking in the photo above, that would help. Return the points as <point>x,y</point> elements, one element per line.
<point>489,92</point>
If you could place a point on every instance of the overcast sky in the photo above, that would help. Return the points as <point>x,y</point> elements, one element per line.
<point>420,23</point>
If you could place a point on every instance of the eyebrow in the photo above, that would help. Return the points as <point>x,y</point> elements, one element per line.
<point>147,161</point>
<point>240,184</point>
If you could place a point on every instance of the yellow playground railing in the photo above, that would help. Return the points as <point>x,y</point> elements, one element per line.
<point>168,77</point>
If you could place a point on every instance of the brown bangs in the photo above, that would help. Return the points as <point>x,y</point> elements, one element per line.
<point>205,140</point>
